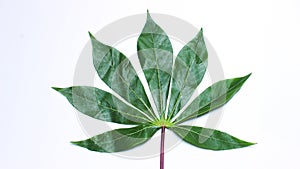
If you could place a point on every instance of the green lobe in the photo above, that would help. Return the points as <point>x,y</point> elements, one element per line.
<point>102,105</point>
<point>208,138</point>
<point>116,71</point>
<point>189,69</point>
<point>212,98</point>
<point>156,57</point>
<point>119,139</point>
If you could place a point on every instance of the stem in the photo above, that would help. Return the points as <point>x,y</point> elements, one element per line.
<point>162,147</point>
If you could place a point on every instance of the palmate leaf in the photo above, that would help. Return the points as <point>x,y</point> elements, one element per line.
<point>155,54</point>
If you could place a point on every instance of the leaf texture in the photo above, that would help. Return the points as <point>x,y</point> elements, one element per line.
<point>116,71</point>
<point>208,138</point>
<point>102,105</point>
<point>156,57</point>
<point>119,139</point>
<point>211,98</point>
<point>189,69</point>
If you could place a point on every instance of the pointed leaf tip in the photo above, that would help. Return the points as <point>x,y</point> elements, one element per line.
<point>91,35</point>
<point>77,143</point>
<point>248,75</point>
<point>80,144</point>
<point>56,88</point>
<point>148,15</point>
<point>250,143</point>
<point>73,142</point>
<point>200,34</point>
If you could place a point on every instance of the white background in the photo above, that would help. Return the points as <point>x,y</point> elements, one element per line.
<point>42,40</point>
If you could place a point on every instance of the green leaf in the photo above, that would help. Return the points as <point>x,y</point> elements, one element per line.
<point>116,71</point>
<point>212,98</point>
<point>102,105</point>
<point>176,82</point>
<point>189,69</point>
<point>156,57</point>
<point>119,139</point>
<point>208,138</point>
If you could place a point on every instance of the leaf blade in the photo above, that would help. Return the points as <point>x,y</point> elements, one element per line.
<point>208,138</point>
<point>212,98</point>
<point>188,71</point>
<point>115,69</point>
<point>102,105</point>
<point>155,53</point>
<point>119,139</point>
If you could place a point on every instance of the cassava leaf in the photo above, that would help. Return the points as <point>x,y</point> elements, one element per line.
<point>189,69</point>
<point>155,54</point>
<point>102,105</point>
<point>116,71</point>
<point>211,98</point>
<point>208,138</point>
<point>156,57</point>
<point>119,139</point>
